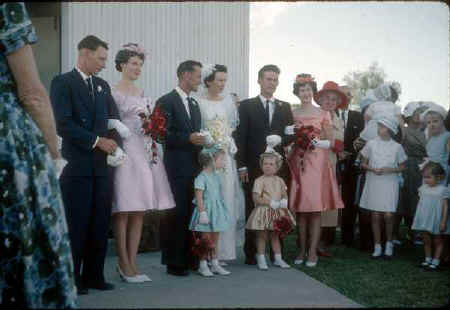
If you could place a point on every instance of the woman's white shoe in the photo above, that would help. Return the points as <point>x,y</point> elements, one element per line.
<point>281,263</point>
<point>134,279</point>
<point>203,269</point>
<point>311,264</point>
<point>261,260</point>
<point>144,277</point>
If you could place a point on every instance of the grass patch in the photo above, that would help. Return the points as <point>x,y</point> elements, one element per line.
<point>378,283</point>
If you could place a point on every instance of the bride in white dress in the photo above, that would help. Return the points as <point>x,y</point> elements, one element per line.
<point>220,118</point>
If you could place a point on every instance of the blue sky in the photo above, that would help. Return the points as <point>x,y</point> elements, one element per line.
<point>409,40</point>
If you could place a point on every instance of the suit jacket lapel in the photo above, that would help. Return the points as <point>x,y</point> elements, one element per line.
<point>180,105</point>
<point>83,90</point>
<point>260,109</point>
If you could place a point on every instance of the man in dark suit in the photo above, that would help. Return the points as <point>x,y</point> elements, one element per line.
<point>353,125</point>
<point>82,105</point>
<point>181,148</point>
<point>259,117</point>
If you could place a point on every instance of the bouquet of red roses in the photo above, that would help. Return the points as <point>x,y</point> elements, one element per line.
<point>154,126</point>
<point>282,226</point>
<point>202,245</point>
<point>303,141</point>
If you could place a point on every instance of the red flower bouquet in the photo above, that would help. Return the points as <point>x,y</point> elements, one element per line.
<point>282,226</point>
<point>303,141</point>
<point>154,126</point>
<point>202,245</point>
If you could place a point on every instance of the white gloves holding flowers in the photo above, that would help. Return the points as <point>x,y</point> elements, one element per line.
<point>279,204</point>
<point>118,157</point>
<point>203,219</point>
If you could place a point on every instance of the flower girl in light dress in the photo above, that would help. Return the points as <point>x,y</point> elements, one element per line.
<point>270,198</point>
<point>432,213</point>
<point>210,217</point>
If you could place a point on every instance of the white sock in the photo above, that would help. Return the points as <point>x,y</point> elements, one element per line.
<point>435,261</point>
<point>215,262</point>
<point>203,263</point>
<point>278,257</point>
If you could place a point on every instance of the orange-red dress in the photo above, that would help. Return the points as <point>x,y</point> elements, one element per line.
<point>313,189</point>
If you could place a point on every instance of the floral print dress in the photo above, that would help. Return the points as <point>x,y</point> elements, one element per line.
<point>36,269</point>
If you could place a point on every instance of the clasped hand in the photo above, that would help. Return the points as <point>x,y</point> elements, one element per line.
<point>381,171</point>
<point>274,204</point>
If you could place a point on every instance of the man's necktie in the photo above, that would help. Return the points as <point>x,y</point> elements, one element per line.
<point>191,109</point>
<point>90,87</point>
<point>267,113</point>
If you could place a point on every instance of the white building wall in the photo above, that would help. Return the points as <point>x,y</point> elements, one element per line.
<point>209,32</point>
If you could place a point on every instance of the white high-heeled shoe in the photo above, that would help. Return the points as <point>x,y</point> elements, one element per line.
<point>134,279</point>
<point>216,268</point>
<point>144,277</point>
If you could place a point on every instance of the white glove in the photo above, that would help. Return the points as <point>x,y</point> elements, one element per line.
<point>426,160</point>
<point>203,219</point>
<point>289,130</point>
<point>323,144</point>
<point>208,138</point>
<point>60,163</point>
<point>233,147</point>
<point>274,204</point>
<point>123,130</point>
<point>283,203</point>
<point>117,158</point>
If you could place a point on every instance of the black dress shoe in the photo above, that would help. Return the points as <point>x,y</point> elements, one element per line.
<point>180,272</point>
<point>249,261</point>
<point>82,290</point>
<point>102,286</point>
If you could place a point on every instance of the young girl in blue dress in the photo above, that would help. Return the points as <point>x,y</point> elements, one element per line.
<point>210,217</point>
<point>432,213</point>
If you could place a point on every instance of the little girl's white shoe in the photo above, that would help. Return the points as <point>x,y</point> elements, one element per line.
<point>311,264</point>
<point>280,262</point>
<point>261,260</point>
<point>203,269</point>
<point>216,268</point>
<point>389,250</point>
<point>377,251</point>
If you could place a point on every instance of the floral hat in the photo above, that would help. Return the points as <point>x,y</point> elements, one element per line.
<point>331,86</point>
<point>412,107</point>
<point>367,100</point>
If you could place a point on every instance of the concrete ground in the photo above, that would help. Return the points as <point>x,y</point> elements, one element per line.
<point>246,287</point>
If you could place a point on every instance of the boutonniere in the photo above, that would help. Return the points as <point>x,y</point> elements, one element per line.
<point>99,88</point>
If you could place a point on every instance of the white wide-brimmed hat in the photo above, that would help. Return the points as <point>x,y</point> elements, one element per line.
<point>433,107</point>
<point>390,122</point>
<point>412,106</point>
<point>368,99</point>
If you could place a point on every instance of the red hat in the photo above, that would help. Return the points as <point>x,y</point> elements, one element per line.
<point>333,87</point>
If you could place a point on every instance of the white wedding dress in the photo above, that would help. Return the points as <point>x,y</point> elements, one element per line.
<point>223,114</point>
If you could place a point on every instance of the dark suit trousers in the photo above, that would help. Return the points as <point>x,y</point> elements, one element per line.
<point>350,212</point>
<point>175,235</point>
<point>88,210</point>
<point>250,236</point>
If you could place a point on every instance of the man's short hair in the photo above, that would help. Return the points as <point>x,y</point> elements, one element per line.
<point>92,43</point>
<point>187,66</point>
<point>266,68</point>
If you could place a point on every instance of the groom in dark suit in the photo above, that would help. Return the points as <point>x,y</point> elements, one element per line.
<point>82,104</point>
<point>259,117</point>
<point>181,148</point>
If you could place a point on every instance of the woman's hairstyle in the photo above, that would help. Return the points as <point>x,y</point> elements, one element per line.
<point>301,80</point>
<point>435,169</point>
<point>128,50</point>
<point>278,159</point>
<point>207,158</point>
<point>212,75</point>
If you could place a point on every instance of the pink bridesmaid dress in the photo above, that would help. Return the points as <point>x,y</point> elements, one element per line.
<point>139,185</point>
<point>316,188</point>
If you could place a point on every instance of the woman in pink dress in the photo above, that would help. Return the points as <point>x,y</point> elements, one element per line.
<point>313,186</point>
<point>140,183</point>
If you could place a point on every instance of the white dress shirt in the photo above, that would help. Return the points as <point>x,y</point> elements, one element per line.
<point>85,77</point>
<point>184,97</point>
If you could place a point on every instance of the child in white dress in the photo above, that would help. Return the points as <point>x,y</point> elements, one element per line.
<point>432,213</point>
<point>383,159</point>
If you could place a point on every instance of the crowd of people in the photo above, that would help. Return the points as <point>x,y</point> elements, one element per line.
<point>225,170</point>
